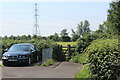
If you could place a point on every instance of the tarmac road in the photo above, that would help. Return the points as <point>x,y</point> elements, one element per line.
<point>63,70</point>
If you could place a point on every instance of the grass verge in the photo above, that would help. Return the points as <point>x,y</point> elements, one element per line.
<point>48,62</point>
<point>79,58</point>
<point>84,73</point>
<point>1,65</point>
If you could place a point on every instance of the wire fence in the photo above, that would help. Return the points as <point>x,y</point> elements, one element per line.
<point>47,54</point>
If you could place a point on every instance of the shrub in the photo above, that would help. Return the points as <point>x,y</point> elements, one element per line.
<point>79,58</point>
<point>82,43</point>
<point>84,73</point>
<point>1,65</point>
<point>48,62</point>
<point>104,59</point>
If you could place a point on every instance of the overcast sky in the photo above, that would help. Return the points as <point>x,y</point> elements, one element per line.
<point>16,18</point>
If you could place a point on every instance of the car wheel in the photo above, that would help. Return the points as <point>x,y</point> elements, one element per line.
<point>5,64</point>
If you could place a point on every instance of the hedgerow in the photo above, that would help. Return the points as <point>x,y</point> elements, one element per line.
<point>104,59</point>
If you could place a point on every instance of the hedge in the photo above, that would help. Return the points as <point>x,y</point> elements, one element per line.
<point>104,59</point>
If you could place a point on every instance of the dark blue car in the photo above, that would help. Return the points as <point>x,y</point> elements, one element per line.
<point>20,54</point>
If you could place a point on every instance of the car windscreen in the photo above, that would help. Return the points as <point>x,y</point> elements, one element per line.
<point>19,48</point>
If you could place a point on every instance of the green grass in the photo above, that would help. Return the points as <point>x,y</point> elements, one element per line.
<point>67,43</point>
<point>84,73</point>
<point>79,58</point>
<point>1,65</point>
<point>48,62</point>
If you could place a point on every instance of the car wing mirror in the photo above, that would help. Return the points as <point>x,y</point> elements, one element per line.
<point>6,50</point>
<point>32,50</point>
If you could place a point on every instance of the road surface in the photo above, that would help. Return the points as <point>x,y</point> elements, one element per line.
<point>63,70</point>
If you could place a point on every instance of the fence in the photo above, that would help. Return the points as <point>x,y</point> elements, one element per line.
<point>60,52</point>
<point>47,54</point>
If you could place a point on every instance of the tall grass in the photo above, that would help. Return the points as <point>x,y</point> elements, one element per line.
<point>67,43</point>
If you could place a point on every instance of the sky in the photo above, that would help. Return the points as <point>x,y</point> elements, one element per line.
<point>17,18</point>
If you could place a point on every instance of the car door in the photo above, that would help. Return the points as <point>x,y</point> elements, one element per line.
<point>33,54</point>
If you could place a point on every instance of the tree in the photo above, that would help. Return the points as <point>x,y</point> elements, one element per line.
<point>64,33</point>
<point>74,35</point>
<point>82,29</point>
<point>86,28</point>
<point>51,37</point>
<point>34,36</point>
<point>113,18</point>
<point>5,37</point>
<point>64,36</point>
<point>24,37</point>
<point>12,37</point>
<point>29,36</point>
<point>55,37</point>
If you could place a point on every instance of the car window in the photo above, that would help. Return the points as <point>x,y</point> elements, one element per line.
<point>32,48</point>
<point>19,48</point>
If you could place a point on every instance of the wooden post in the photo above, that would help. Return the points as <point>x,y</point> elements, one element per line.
<point>61,53</point>
<point>69,51</point>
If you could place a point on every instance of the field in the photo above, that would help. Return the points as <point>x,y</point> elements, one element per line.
<point>67,43</point>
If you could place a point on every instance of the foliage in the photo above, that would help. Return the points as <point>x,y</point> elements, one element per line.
<point>79,58</point>
<point>1,65</point>
<point>64,36</point>
<point>48,62</point>
<point>81,45</point>
<point>74,35</point>
<point>84,73</point>
<point>102,29</point>
<point>64,32</point>
<point>66,43</point>
<point>104,59</point>
<point>113,18</point>
<point>86,40</point>
<point>82,29</point>
<point>43,44</point>
<point>54,37</point>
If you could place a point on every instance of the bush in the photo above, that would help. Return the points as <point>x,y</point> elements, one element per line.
<point>1,65</point>
<point>79,58</point>
<point>48,62</point>
<point>104,59</point>
<point>84,73</point>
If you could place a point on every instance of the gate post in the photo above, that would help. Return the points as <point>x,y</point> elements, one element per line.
<point>69,50</point>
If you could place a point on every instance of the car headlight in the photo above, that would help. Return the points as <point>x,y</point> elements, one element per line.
<point>4,57</point>
<point>22,56</point>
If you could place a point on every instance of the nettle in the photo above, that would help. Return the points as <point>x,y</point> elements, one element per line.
<point>104,59</point>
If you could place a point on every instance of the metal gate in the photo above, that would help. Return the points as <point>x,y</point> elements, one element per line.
<point>47,54</point>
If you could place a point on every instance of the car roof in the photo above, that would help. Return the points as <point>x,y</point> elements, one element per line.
<point>23,44</point>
